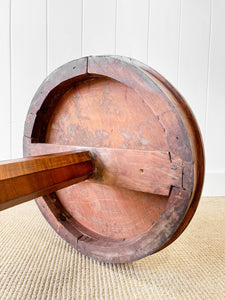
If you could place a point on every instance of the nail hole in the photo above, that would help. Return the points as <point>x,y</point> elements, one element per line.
<point>141,171</point>
<point>62,217</point>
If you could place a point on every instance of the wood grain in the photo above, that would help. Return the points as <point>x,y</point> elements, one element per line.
<point>144,171</point>
<point>27,178</point>
<point>118,104</point>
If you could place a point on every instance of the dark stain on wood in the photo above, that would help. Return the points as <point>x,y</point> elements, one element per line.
<point>117,103</point>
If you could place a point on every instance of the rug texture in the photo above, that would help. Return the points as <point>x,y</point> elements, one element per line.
<point>35,263</point>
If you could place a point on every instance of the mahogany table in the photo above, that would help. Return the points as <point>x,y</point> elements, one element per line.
<point>113,155</point>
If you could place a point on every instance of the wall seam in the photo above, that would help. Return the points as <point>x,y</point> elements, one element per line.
<point>179,48</point>
<point>10,76</point>
<point>148,32</point>
<point>115,47</point>
<point>82,28</point>
<point>208,72</point>
<point>46,41</point>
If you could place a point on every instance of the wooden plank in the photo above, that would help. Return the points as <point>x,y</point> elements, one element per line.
<point>132,29</point>
<point>25,179</point>
<point>145,171</point>
<point>5,79</point>
<point>215,141</point>
<point>194,53</point>
<point>64,32</point>
<point>164,25</point>
<point>28,61</point>
<point>99,19</point>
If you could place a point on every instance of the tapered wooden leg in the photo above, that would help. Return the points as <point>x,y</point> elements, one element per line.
<point>27,178</point>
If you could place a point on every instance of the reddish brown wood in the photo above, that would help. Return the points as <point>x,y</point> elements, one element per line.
<point>118,103</point>
<point>197,146</point>
<point>136,170</point>
<point>25,179</point>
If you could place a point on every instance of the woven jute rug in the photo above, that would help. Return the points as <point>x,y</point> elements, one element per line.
<point>35,263</point>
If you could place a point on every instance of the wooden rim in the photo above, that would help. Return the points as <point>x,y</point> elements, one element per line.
<point>197,144</point>
<point>181,204</point>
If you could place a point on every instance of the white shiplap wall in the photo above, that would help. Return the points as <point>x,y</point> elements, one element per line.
<point>182,39</point>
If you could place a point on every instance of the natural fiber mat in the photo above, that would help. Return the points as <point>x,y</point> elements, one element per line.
<point>35,263</point>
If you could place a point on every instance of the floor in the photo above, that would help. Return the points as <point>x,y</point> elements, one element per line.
<point>35,263</point>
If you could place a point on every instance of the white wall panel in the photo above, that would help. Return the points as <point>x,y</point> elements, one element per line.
<point>132,29</point>
<point>5,105</point>
<point>64,23</point>
<point>215,126</point>
<point>28,61</point>
<point>164,34</point>
<point>182,39</point>
<point>194,56</point>
<point>99,27</point>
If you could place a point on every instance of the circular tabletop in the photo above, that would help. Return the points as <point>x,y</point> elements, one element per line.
<point>147,148</point>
